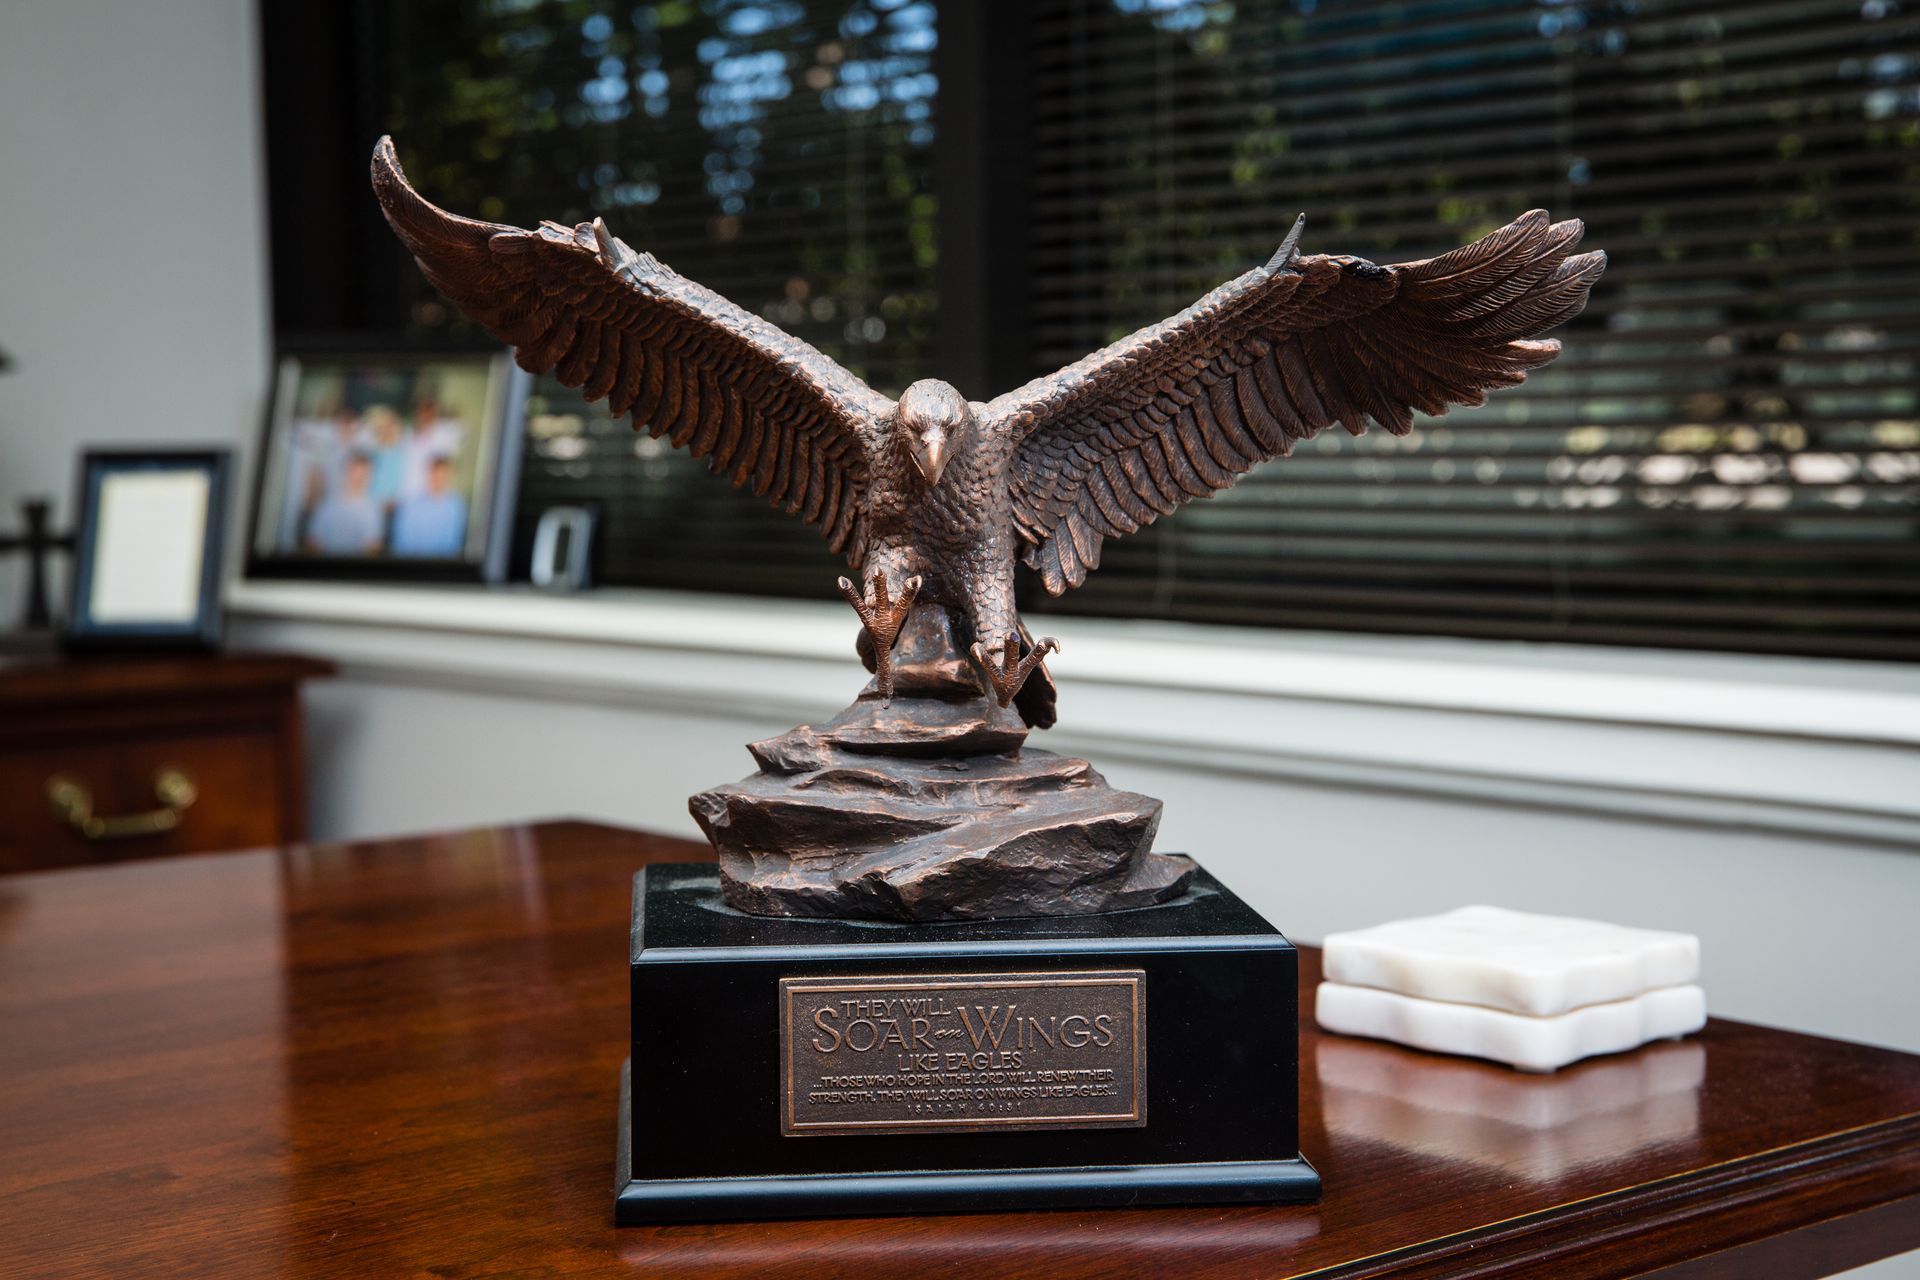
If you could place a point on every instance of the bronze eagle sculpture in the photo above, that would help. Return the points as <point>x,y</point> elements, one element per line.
<point>932,496</point>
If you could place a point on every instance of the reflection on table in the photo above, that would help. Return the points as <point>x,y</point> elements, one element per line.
<point>1535,1126</point>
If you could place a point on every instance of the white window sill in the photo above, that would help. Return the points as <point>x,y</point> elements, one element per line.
<point>1793,745</point>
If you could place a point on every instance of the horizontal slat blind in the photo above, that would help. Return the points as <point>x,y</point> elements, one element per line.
<point>775,152</point>
<point>1728,454</point>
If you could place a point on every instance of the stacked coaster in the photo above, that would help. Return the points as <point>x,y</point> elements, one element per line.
<point>1535,992</point>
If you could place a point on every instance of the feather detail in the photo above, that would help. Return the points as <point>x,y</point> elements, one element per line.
<point>682,361</point>
<point>1181,409</point>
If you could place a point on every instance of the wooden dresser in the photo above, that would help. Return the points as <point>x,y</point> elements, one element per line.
<point>109,758</point>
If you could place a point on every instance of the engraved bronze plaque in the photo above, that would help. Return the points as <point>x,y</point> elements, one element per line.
<point>897,1053</point>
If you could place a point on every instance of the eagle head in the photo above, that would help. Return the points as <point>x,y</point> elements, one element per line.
<point>934,417</point>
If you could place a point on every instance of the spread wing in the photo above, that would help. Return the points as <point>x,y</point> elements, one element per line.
<point>763,407</point>
<point>1183,408</point>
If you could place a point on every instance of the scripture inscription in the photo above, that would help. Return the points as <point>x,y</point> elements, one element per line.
<point>901,1054</point>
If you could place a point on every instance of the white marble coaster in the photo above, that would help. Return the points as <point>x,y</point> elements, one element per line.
<point>1512,960</point>
<point>1530,1043</point>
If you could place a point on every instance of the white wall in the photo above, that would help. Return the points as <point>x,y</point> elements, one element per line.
<point>133,291</point>
<point>1786,843</point>
<point>1787,922</point>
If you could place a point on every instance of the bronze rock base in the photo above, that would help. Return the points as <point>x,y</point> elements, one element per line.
<point>926,807</point>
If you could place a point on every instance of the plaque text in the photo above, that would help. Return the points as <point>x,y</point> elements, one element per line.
<point>902,1054</point>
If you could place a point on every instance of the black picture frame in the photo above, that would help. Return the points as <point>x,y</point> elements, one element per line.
<point>496,463</point>
<point>99,614</point>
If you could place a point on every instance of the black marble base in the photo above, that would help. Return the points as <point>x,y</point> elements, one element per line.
<point>701,1118</point>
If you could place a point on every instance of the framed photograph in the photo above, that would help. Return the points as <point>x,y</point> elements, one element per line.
<point>147,550</point>
<point>391,464</point>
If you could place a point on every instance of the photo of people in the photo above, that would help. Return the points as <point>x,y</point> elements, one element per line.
<point>381,458</point>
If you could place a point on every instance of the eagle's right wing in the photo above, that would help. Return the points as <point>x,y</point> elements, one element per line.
<point>1182,409</point>
<point>766,409</point>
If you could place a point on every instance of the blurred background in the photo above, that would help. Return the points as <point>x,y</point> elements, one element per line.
<point>1635,641</point>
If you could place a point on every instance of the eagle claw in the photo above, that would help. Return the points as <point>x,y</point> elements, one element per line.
<point>1012,671</point>
<point>882,616</point>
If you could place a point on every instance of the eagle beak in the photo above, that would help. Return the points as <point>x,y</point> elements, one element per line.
<point>930,456</point>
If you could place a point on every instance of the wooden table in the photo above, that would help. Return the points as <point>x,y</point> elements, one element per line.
<point>399,1058</point>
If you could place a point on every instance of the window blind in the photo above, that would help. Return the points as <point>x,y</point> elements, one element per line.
<point>1728,453</point>
<point>776,152</point>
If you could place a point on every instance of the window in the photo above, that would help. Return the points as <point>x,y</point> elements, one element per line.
<point>1728,453</point>
<point>1727,456</point>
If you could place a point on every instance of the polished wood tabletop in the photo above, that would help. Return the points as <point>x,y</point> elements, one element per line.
<point>399,1058</point>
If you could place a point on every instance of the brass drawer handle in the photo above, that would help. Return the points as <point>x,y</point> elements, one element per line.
<point>73,804</point>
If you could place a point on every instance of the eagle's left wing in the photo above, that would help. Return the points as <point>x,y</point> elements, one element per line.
<point>765,409</point>
<point>1183,408</point>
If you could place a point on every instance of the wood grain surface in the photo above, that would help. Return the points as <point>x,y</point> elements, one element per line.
<point>399,1059</point>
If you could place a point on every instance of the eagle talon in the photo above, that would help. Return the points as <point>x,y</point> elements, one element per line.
<point>1011,672</point>
<point>883,617</point>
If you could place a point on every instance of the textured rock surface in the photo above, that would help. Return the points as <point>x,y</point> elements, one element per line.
<point>928,808</point>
